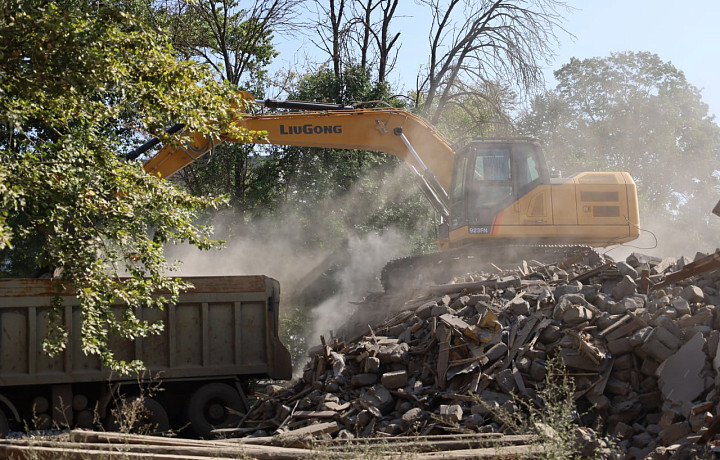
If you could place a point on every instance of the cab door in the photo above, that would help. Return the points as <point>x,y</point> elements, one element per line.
<point>503,186</point>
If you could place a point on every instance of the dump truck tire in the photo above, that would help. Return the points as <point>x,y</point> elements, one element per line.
<point>215,405</point>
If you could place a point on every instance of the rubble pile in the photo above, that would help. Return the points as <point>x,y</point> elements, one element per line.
<point>640,343</point>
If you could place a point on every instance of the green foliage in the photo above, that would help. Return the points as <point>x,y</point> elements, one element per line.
<point>232,37</point>
<point>294,325</point>
<point>364,189</point>
<point>78,81</point>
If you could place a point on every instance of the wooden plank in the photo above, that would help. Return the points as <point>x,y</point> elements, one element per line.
<point>702,265</point>
<point>522,336</point>
<point>311,430</point>
<point>443,289</point>
<point>443,336</point>
<point>504,452</point>
<point>51,453</point>
<point>315,414</point>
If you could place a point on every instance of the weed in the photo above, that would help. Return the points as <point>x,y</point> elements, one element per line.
<point>553,416</point>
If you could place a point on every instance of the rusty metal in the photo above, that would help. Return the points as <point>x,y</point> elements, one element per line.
<point>645,279</point>
<point>705,264</point>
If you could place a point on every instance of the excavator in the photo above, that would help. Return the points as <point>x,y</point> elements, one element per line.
<point>494,196</point>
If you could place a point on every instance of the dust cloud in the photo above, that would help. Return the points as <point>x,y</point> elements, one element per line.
<point>368,255</point>
<point>298,249</point>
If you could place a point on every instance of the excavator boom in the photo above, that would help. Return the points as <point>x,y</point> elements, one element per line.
<point>385,130</point>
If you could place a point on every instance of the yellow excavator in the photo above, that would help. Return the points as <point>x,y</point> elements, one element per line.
<point>491,194</point>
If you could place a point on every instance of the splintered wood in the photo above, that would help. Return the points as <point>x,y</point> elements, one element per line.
<point>455,358</point>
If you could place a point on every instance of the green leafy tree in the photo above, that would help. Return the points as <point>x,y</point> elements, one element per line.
<point>79,81</point>
<point>633,112</point>
<point>235,39</point>
<point>310,175</point>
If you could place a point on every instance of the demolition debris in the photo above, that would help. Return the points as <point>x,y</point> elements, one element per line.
<point>642,354</point>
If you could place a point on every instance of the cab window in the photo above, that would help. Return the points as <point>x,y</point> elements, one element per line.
<point>492,177</point>
<point>528,170</point>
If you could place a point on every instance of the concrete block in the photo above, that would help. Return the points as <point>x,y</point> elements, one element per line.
<point>649,367</point>
<point>424,311</point>
<point>413,416</point>
<point>656,349</point>
<point>394,380</point>
<point>679,375</point>
<point>674,432</point>
<point>681,306</point>
<point>439,310</point>
<point>666,322</point>
<point>393,353</point>
<point>497,351</point>
<point>620,346</point>
<point>518,306</point>
<point>666,337</point>
<point>693,294</point>
<point>703,316</point>
<point>618,387</point>
<point>362,380</point>
<point>636,259</point>
<point>626,270</point>
<point>570,288</point>
<point>451,413</point>
<point>625,305</point>
<point>372,365</point>
<point>626,287</point>
<point>378,396</point>
<point>576,314</point>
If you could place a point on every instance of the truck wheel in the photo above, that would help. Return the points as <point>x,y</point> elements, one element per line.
<point>152,416</point>
<point>215,405</point>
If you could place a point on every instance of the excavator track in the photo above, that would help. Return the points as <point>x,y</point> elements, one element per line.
<point>443,267</point>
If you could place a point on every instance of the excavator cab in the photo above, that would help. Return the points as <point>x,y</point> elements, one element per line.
<point>491,175</point>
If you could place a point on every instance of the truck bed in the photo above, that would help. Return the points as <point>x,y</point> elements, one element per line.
<point>225,326</point>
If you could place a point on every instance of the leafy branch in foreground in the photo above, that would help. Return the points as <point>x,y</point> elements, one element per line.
<point>78,82</point>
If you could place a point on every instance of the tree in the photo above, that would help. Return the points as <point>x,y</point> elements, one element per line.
<point>332,28</point>
<point>315,183</point>
<point>235,40</point>
<point>357,33</point>
<point>487,43</point>
<point>633,112</point>
<point>79,82</point>
<point>376,31</point>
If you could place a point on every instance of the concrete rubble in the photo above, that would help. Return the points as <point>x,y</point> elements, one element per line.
<point>643,360</point>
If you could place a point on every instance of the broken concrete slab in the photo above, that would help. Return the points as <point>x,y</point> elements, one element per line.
<point>626,287</point>
<point>679,375</point>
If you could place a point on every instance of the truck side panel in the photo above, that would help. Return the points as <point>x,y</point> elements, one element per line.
<point>226,326</point>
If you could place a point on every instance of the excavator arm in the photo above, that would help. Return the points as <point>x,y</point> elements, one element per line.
<point>393,131</point>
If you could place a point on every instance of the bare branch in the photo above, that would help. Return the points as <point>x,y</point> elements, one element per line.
<point>473,42</point>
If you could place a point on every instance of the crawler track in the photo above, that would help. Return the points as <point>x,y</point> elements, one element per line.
<point>442,267</point>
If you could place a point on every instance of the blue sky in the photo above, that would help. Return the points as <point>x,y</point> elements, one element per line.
<point>684,33</point>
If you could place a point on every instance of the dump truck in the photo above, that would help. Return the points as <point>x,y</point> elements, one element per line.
<point>495,196</point>
<point>220,334</point>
